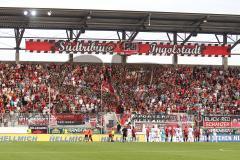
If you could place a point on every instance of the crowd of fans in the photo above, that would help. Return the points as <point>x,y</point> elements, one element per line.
<point>77,88</point>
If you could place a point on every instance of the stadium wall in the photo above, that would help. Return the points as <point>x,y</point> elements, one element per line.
<point>71,138</point>
<point>60,138</point>
<point>17,130</point>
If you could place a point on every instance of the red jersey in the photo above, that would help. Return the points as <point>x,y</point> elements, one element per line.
<point>134,132</point>
<point>147,132</point>
<point>185,131</point>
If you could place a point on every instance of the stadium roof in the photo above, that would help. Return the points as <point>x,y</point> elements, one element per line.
<point>112,20</point>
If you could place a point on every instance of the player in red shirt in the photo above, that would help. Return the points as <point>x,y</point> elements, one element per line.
<point>90,133</point>
<point>197,134</point>
<point>167,134</point>
<point>134,135</point>
<point>173,134</point>
<point>147,133</point>
<point>185,131</point>
<point>85,132</point>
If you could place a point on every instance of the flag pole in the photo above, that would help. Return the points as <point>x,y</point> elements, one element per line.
<point>151,77</point>
<point>101,102</point>
<point>49,114</point>
<point>101,109</point>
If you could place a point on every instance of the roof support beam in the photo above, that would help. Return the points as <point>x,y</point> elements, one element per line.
<point>70,37</point>
<point>198,26</point>
<point>133,36</point>
<point>235,44</point>
<point>119,38</point>
<point>124,35</point>
<point>231,38</point>
<point>70,34</point>
<point>18,38</point>
<point>75,37</point>
<point>169,37</point>
<point>79,32</point>
<point>217,39</point>
<point>188,37</point>
<point>180,37</point>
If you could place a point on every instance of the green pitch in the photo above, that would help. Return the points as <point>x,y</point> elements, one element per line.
<point>119,151</point>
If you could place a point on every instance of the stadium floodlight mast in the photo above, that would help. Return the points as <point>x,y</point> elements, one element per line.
<point>149,19</point>
<point>25,13</point>
<point>30,12</point>
<point>33,13</point>
<point>89,16</point>
<point>49,13</point>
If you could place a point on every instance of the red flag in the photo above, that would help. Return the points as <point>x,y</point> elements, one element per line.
<point>107,87</point>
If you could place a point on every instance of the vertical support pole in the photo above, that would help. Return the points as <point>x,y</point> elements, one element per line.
<point>70,38</point>
<point>18,38</point>
<point>102,113</point>
<point>49,114</point>
<point>175,56</point>
<point>123,57</point>
<point>17,56</point>
<point>225,59</point>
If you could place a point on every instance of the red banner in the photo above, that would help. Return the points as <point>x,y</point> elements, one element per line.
<point>217,124</point>
<point>129,48</point>
<point>69,119</point>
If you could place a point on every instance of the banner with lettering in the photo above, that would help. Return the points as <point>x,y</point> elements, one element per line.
<point>43,119</point>
<point>161,118</point>
<point>69,119</point>
<point>221,122</point>
<point>127,48</point>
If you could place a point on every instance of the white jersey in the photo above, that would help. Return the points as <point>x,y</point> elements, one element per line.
<point>190,135</point>
<point>180,131</point>
<point>157,130</point>
<point>155,135</point>
<point>177,130</point>
<point>180,135</point>
<point>190,131</point>
<point>152,131</point>
<point>160,131</point>
<point>214,138</point>
<point>214,132</point>
<point>129,132</point>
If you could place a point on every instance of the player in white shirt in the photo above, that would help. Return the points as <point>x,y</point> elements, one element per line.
<point>181,134</point>
<point>201,135</point>
<point>154,134</point>
<point>174,137</point>
<point>214,137</point>
<point>158,134</point>
<point>129,134</point>
<point>190,134</point>
<point>177,130</point>
<point>169,134</point>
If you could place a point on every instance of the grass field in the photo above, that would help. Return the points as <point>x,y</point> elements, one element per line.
<point>119,151</point>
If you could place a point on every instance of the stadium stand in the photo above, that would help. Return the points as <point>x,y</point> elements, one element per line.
<point>78,88</point>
